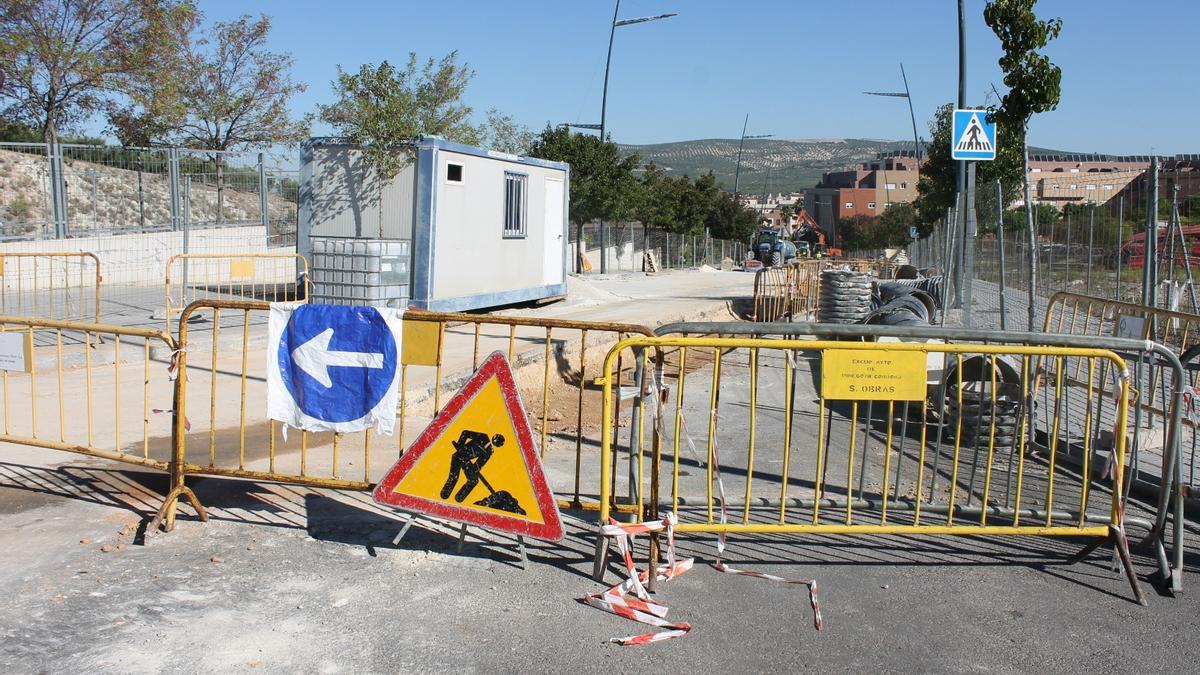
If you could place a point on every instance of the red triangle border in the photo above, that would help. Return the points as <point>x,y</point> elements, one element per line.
<point>496,365</point>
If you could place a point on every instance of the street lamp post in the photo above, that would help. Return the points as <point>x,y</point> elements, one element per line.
<point>737,172</point>
<point>905,95</point>
<point>616,23</point>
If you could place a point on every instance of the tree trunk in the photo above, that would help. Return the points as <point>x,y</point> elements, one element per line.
<point>1032,235</point>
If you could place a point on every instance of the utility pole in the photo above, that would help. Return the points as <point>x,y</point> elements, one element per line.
<point>612,31</point>
<point>961,169</point>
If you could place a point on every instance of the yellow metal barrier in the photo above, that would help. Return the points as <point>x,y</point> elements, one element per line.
<point>87,388</point>
<point>793,291</point>
<point>222,398</point>
<point>1155,466</point>
<point>775,292</point>
<point>1075,314</point>
<point>64,286</point>
<point>555,361</point>
<point>269,277</point>
<point>893,453</point>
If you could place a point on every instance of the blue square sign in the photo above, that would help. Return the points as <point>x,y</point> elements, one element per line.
<point>974,136</point>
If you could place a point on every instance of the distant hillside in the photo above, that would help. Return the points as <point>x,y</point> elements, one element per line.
<point>791,165</point>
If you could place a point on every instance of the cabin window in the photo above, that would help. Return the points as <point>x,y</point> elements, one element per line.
<point>516,189</point>
<point>454,172</point>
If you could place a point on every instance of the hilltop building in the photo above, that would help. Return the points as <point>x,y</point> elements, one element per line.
<point>1058,180</point>
<point>890,178</point>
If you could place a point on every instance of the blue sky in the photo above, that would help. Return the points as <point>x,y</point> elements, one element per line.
<point>798,67</point>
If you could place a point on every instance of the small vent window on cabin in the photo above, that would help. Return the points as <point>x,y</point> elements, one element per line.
<point>515,207</point>
<point>454,172</point>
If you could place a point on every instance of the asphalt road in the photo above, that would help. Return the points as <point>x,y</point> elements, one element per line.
<point>292,579</point>
<point>286,579</point>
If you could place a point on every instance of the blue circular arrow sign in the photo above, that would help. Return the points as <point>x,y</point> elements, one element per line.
<point>337,362</point>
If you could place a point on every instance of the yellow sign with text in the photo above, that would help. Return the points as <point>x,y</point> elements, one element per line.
<point>873,375</point>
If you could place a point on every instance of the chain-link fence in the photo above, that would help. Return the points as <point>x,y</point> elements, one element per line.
<point>1094,248</point>
<point>66,190</point>
<point>24,190</point>
<point>135,208</point>
<point>629,242</point>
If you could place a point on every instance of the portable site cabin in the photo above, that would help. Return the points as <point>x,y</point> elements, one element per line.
<point>458,228</point>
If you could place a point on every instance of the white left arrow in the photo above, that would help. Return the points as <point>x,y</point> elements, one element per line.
<point>314,358</point>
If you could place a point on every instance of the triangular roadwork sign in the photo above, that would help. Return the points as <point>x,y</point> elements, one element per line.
<point>476,462</point>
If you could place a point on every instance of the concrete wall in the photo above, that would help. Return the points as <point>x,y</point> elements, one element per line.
<point>140,259</point>
<point>471,254</point>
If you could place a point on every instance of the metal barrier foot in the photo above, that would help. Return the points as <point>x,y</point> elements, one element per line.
<point>1087,550</point>
<point>404,530</point>
<point>1122,545</point>
<point>165,517</point>
<point>601,560</point>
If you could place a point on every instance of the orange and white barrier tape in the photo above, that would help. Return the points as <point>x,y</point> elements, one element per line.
<point>719,565</point>
<point>173,363</point>
<point>187,424</point>
<point>818,622</point>
<point>629,598</point>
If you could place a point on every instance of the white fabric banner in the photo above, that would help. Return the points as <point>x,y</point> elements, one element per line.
<point>332,367</point>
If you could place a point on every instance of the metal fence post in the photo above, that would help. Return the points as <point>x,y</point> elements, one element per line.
<point>1091,235</point>
<point>1150,248</point>
<point>58,189</point>
<point>970,226</point>
<point>141,193</point>
<point>1000,251</point>
<point>187,227</point>
<point>1120,242</point>
<point>173,186</point>
<point>264,217</point>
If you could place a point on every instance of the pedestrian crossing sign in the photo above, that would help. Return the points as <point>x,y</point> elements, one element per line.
<point>974,136</point>
<point>476,462</point>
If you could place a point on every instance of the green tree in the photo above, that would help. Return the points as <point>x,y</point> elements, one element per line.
<point>502,133</point>
<point>382,108</point>
<point>603,184</point>
<point>1045,216</point>
<point>220,90</point>
<point>16,132</point>
<point>730,219</point>
<point>657,201</point>
<point>697,201</point>
<point>64,58</point>
<point>1034,86</point>
<point>858,232</point>
<point>894,224</point>
<point>787,211</point>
